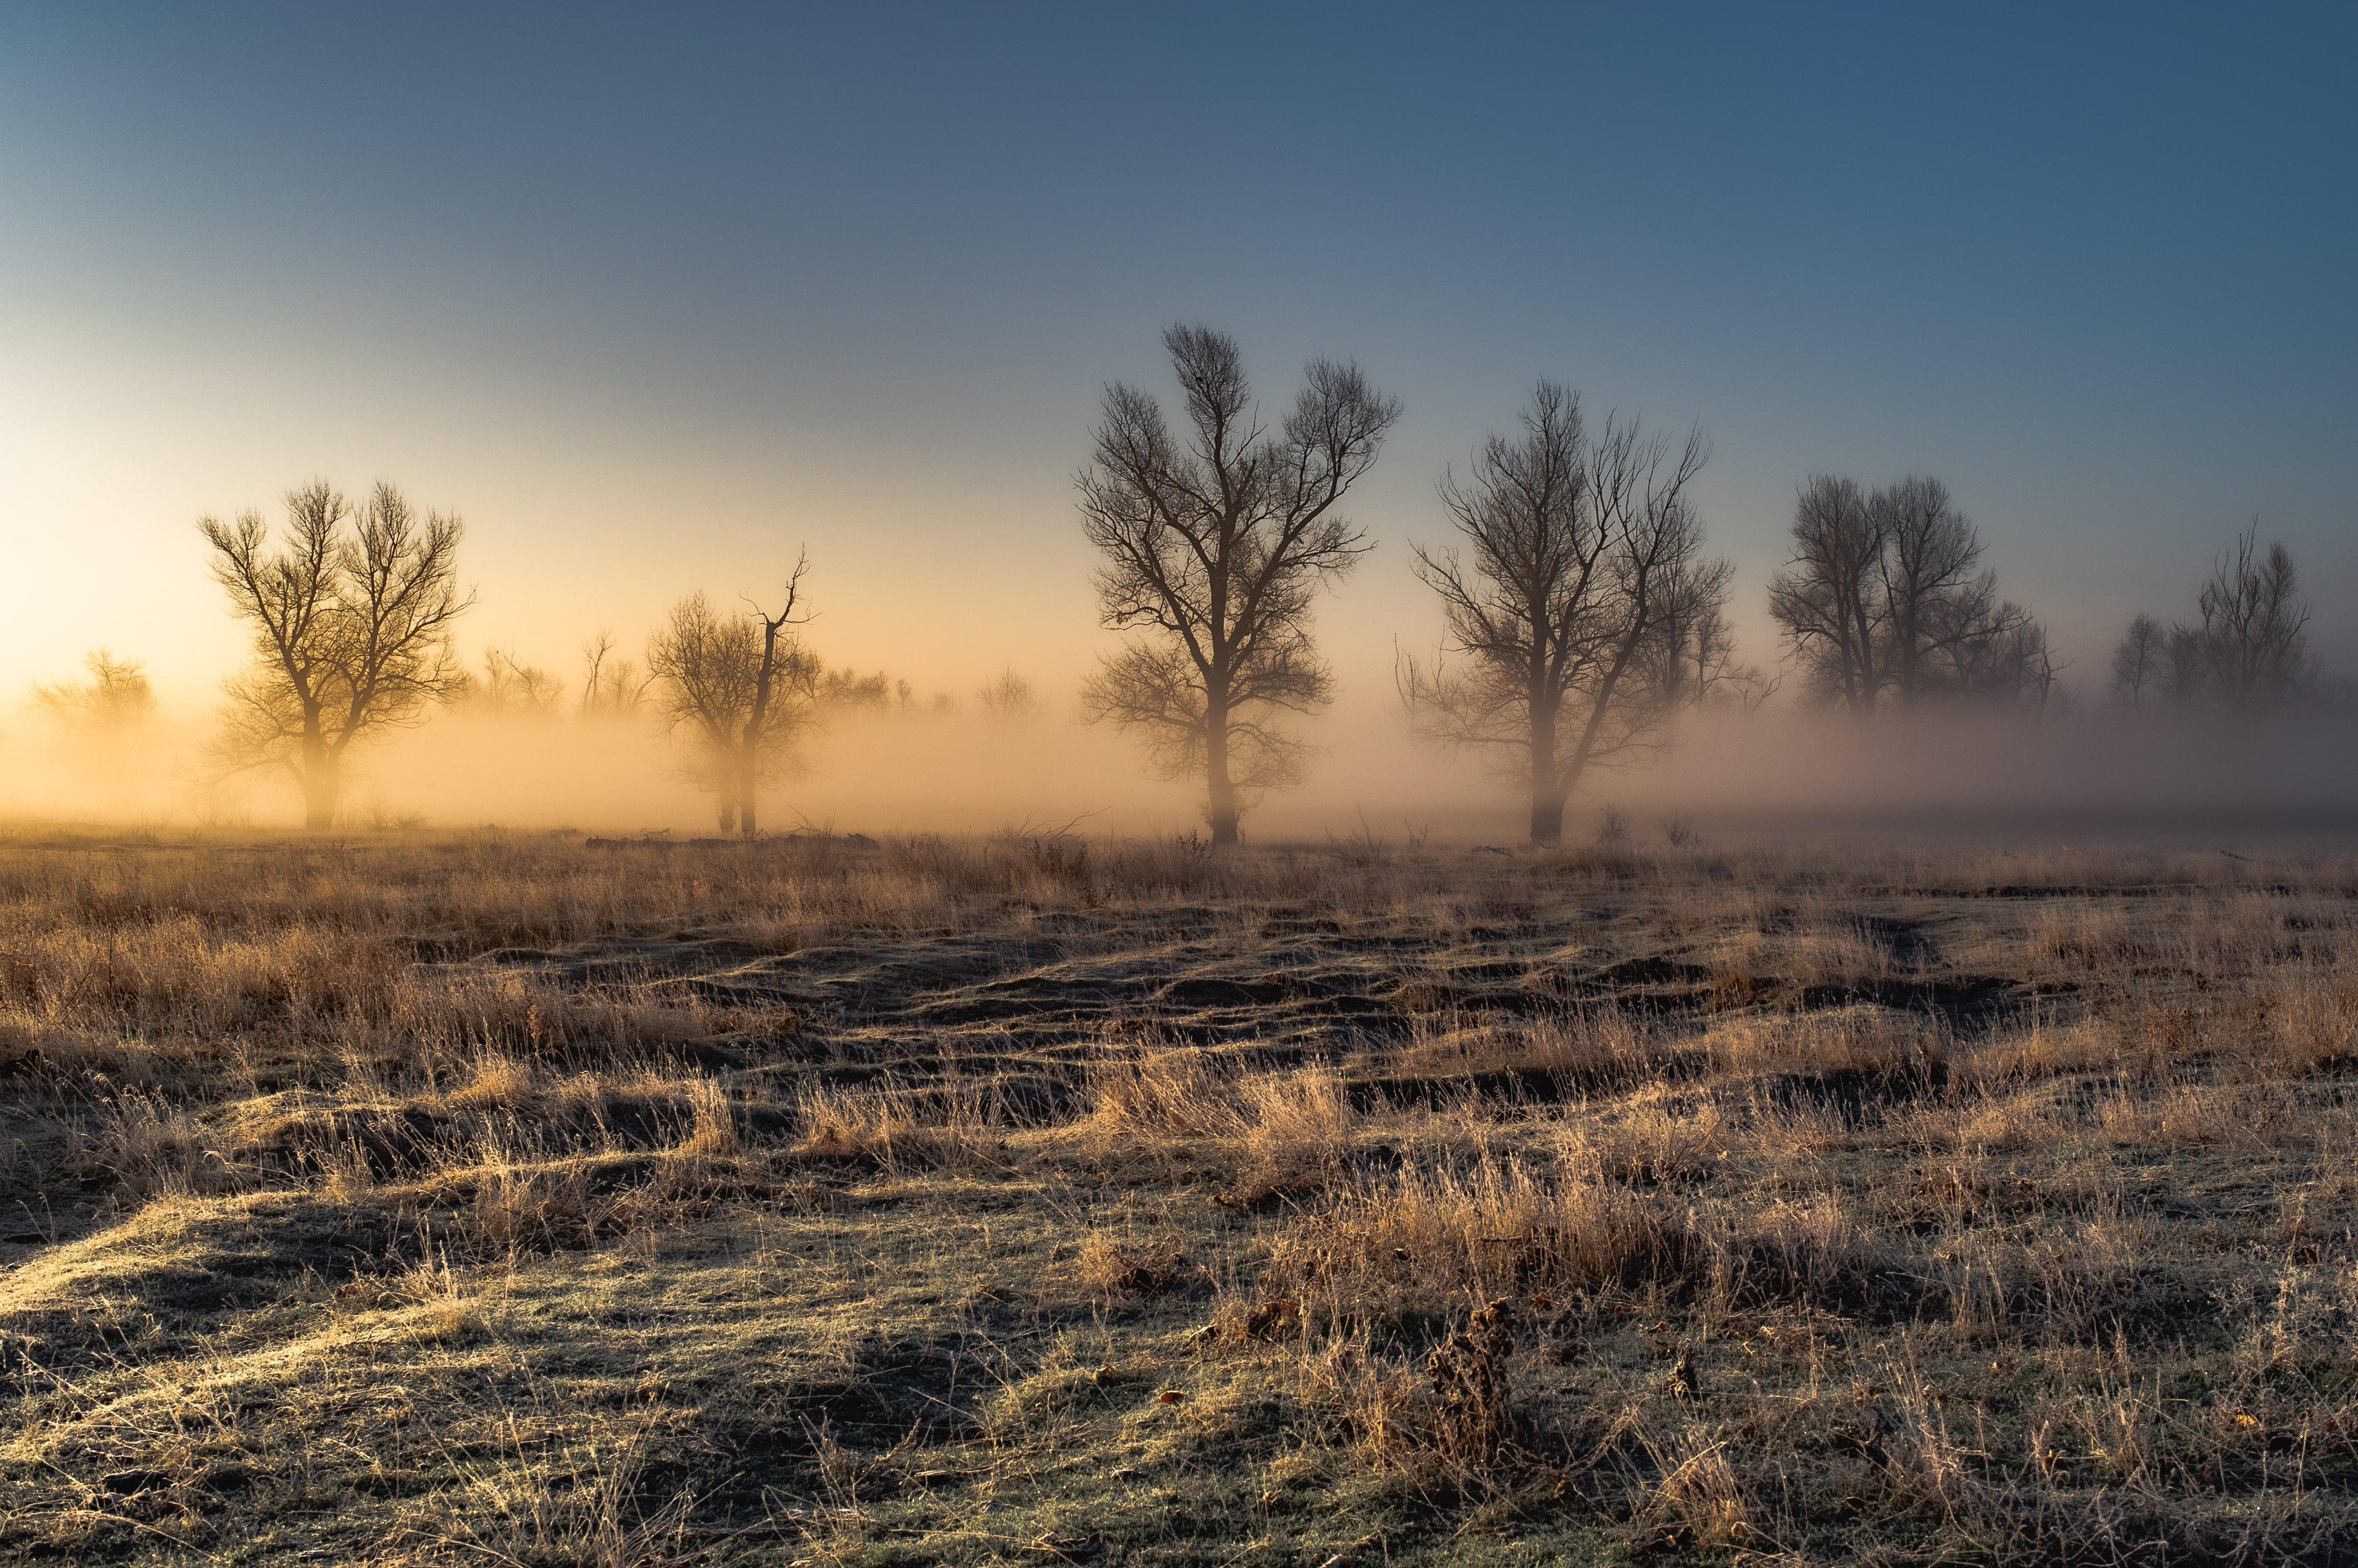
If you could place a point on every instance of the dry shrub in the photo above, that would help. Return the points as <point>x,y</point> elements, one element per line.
<point>1294,1134</point>
<point>2313,1020</point>
<point>521,1206</point>
<point>2259,1115</point>
<point>1846,959</point>
<point>1588,1048</point>
<point>1182,1091</point>
<point>1862,1040</point>
<point>1428,1234</point>
<point>496,1080</point>
<point>2082,937</point>
<point>1112,1268</point>
<point>1471,1390</point>
<point>1284,1131</point>
<point>157,1150</point>
<point>532,1500</point>
<point>1662,1136</point>
<point>1703,1501</point>
<point>963,1122</point>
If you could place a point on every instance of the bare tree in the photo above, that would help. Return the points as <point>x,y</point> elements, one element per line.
<point>1696,663</point>
<point>1009,698</point>
<point>610,686</point>
<point>2253,640</point>
<point>848,690</point>
<point>1214,548</point>
<point>510,688</point>
<point>113,703</point>
<point>1828,601</point>
<point>2140,667</point>
<point>351,625</point>
<point>1882,593</point>
<point>2248,655</point>
<point>1583,581</point>
<point>1941,617</point>
<point>745,690</point>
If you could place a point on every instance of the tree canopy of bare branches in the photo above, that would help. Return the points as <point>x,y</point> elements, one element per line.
<point>1884,593</point>
<point>2247,654</point>
<point>612,688</point>
<point>1213,548</point>
<point>1009,698</point>
<point>351,623</point>
<point>510,688</point>
<point>113,703</point>
<point>745,689</point>
<point>1575,605</point>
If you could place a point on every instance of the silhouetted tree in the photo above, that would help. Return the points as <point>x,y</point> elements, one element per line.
<point>2254,639</point>
<point>1214,547</point>
<point>743,688</point>
<point>1946,627</point>
<point>847,690</point>
<point>1828,601</point>
<point>2141,667</point>
<point>1007,697</point>
<point>351,625</point>
<point>1695,659</point>
<point>612,686</point>
<point>508,688</point>
<point>1881,593</point>
<point>2247,655</point>
<point>113,703</point>
<point>1583,580</point>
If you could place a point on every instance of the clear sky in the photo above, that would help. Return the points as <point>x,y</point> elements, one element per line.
<point>653,295</point>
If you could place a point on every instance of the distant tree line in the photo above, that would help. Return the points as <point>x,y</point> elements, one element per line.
<point>1581,614</point>
<point>2245,653</point>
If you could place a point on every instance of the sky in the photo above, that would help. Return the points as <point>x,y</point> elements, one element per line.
<point>654,298</point>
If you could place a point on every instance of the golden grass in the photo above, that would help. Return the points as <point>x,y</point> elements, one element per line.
<point>493,1197</point>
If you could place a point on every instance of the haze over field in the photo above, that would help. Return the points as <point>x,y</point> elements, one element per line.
<point>654,309</point>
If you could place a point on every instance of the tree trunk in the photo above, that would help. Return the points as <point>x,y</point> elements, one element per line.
<point>1547,794</point>
<point>1223,794</point>
<point>745,790</point>
<point>319,786</point>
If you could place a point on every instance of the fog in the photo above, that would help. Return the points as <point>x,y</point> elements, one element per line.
<point>1776,774</point>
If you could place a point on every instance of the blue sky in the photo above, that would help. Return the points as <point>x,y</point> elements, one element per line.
<point>655,295</point>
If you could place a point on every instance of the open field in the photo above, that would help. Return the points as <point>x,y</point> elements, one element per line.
<point>503,1198</point>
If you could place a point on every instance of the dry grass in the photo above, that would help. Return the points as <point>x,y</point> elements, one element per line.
<point>496,1198</point>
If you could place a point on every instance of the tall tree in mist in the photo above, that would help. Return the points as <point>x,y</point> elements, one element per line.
<point>1884,593</point>
<point>112,704</point>
<point>1213,548</point>
<point>1828,598</point>
<point>1572,610</point>
<point>745,690</point>
<point>1943,621</point>
<point>2141,667</point>
<point>351,623</point>
<point>2247,652</point>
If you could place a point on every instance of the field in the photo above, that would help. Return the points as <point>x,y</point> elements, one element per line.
<point>510,1199</point>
